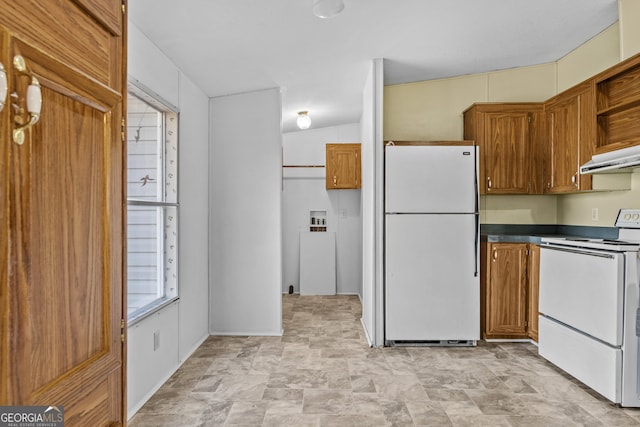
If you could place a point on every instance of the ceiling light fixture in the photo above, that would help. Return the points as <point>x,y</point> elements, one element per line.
<point>303,121</point>
<point>327,8</point>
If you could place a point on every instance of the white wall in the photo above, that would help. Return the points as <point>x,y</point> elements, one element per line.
<point>147,64</point>
<point>304,190</point>
<point>149,368</point>
<point>184,325</point>
<point>629,11</point>
<point>307,147</point>
<point>245,214</point>
<point>194,217</point>
<point>372,209</point>
<point>597,54</point>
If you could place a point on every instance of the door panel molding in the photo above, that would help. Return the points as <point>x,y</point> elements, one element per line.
<point>62,212</point>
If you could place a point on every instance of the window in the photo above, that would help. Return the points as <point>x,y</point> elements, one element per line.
<point>152,204</point>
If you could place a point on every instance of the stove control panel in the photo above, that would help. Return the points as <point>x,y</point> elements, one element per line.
<point>628,218</point>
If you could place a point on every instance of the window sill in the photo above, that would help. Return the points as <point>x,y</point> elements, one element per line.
<point>143,313</point>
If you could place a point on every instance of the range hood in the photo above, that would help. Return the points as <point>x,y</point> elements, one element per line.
<point>618,161</point>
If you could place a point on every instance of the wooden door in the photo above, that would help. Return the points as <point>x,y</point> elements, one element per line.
<point>563,122</point>
<point>507,156</point>
<point>533,286</point>
<point>506,290</point>
<point>62,202</point>
<point>343,166</point>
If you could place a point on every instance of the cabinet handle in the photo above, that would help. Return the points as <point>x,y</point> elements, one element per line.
<point>335,180</point>
<point>34,99</point>
<point>495,255</point>
<point>3,86</point>
<point>489,182</point>
<point>574,178</point>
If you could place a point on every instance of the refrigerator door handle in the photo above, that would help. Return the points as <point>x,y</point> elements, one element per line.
<point>476,244</point>
<point>477,213</point>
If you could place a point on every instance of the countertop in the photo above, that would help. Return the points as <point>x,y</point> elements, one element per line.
<point>529,233</point>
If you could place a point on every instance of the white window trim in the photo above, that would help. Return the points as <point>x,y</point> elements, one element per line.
<point>141,91</point>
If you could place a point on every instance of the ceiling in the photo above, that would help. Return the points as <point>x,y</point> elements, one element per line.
<point>234,46</point>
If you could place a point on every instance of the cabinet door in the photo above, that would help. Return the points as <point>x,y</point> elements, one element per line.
<point>564,137</point>
<point>343,166</point>
<point>571,129</point>
<point>507,153</point>
<point>533,285</point>
<point>61,305</point>
<point>506,290</point>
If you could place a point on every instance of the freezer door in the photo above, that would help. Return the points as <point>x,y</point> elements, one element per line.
<point>431,290</point>
<point>429,179</point>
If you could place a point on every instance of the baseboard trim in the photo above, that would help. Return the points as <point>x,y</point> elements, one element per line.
<point>131,411</point>
<point>499,340</point>
<point>245,334</point>
<point>194,348</point>
<point>366,333</point>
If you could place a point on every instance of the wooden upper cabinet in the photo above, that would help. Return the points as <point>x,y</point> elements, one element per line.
<point>343,167</point>
<point>570,126</point>
<point>507,162</point>
<point>508,137</point>
<point>618,106</point>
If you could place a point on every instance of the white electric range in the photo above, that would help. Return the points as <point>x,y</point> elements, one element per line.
<point>589,300</point>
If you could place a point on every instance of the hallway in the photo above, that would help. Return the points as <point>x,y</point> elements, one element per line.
<point>321,372</point>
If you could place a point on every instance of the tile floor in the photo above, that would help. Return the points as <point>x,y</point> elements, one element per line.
<point>322,373</point>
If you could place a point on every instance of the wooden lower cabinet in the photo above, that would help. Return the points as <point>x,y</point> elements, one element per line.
<point>533,286</point>
<point>509,291</point>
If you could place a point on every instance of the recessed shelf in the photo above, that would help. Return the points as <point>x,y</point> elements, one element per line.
<point>318,221</point>
<point>619,108</point>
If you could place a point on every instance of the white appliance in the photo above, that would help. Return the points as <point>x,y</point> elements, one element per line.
<point>589,299</point>
<point>317,263</point>
<point>432,288</point>
<point>613,162</point>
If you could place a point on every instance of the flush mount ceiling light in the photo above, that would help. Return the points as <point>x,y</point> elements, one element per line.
<point>327,8</point>
<point>303,121</point>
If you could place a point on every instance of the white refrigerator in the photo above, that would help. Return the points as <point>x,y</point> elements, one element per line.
<point>432,285</point>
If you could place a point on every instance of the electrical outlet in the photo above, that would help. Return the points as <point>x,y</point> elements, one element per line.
<point>594,214</point>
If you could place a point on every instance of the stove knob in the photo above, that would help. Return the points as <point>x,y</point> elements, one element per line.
<point>636,216</point>
<point>627,216</point>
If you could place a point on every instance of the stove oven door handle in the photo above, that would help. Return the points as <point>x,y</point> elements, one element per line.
<point>578,251</point>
